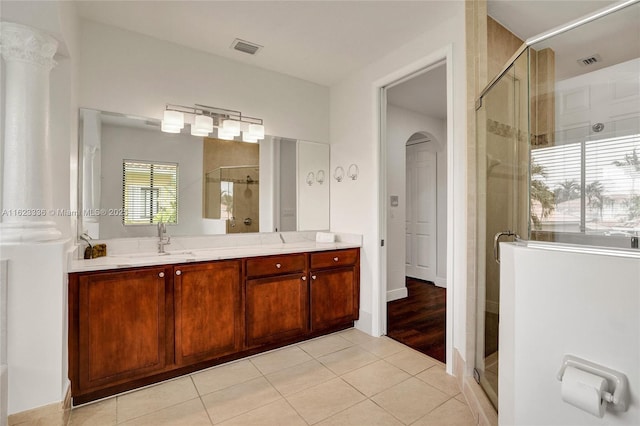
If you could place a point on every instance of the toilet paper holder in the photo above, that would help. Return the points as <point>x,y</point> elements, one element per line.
<point>618,395</point>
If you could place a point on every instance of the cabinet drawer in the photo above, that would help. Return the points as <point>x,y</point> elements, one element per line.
<point>275,265</point>
<point>327,259</point>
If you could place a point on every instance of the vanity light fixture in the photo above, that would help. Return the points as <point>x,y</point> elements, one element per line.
<point>172,122</point>
<point>229,123</point>
<point>202,125</point>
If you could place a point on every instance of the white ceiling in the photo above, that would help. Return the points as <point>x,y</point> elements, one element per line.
<point>318,41</point>
<point>426,93</point>
<point>527,18</point>
<point>324,41</point>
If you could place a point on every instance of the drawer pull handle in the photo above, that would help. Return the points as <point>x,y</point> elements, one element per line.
<point>161,274</point>
<point>178,272</point>
<point>313,277</point>
<point>278,265</point>
<point>335,259</point>
<point>304,278</point>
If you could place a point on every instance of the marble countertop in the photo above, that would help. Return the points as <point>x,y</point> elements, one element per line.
<point>130,259</point>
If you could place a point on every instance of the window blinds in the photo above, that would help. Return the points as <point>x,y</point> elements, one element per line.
<point>149,192</point>
<point>605,172</point>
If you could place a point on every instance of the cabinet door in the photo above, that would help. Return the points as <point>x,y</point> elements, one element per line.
<point>208,311</point>
<point>334,297</point>
<point>121,326</point>
<point>276,308</point>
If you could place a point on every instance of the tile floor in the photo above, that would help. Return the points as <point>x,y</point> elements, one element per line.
<point>346,378</point>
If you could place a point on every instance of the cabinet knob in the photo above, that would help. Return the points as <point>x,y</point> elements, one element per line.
<point>278,265</point>
<point>161,274</point>
<point>335,259</point>
<point>178,272</point>
<point>313,277</point>
<point>304,278</point>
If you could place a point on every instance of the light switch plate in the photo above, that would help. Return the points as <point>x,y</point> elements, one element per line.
<point>394,201</point>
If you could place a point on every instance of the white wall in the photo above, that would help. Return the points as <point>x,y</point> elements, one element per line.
<point>126,72</point>
<point>401,125</point>
<point>355,100</point>
<point>127,143</point>
<point>587,305</point>
<point>313,198</point>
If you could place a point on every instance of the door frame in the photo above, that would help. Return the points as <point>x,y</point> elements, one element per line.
<point>380,86</point>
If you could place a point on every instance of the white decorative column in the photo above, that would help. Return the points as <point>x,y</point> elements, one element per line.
<point>26,191</point>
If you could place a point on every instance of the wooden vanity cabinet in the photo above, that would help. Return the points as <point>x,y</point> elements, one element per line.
<point>277,299</point>
<point>119,324</point>
<point>209,316</point>
<point>335,288</point>
<point>133,327</point>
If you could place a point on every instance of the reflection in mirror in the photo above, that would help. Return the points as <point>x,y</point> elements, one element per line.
<point>585,140</point>
<point>218,186</point>
<point>231,194</point>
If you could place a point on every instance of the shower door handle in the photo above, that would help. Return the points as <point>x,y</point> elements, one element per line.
<point>496,241</point>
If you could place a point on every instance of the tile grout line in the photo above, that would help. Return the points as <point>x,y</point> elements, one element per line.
<point>351,344</point>
<point>285,398</point>
<point>201,401</point>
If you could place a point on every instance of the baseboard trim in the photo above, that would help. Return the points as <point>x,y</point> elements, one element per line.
<point>365,323</point>
<point>398,293</point>
<point>56,413</point>
<point>47,414</point>
<point>481,408</point>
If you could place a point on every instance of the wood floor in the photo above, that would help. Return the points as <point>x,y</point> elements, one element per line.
<point>419,320</point>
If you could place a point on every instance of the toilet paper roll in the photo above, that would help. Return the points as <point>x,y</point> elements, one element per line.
<point>584,390</point>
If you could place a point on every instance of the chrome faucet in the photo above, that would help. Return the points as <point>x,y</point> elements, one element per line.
<point>162,240</point>
<point>88,253</point>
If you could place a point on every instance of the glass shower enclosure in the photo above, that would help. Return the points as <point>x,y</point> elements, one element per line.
<point>557,155</point>
<point>502,119</point>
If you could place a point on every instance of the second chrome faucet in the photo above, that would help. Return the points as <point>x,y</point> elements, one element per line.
<point>163,239</point>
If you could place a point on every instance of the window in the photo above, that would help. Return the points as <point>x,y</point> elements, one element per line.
<point>593,185</point>
<point>149,192</point>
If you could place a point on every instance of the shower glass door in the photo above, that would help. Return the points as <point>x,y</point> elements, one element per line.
<point>503,207</point>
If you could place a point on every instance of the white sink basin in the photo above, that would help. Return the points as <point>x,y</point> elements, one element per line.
<point>154,255</point>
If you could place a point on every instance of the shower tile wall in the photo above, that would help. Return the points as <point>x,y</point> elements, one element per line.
<point>219,153</point>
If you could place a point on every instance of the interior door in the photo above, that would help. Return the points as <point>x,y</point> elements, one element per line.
<point>421,249</point>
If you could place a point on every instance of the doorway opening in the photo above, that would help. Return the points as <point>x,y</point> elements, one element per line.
<point>416,210</point>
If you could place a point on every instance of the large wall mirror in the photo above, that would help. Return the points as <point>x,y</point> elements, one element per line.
<point>133,176</point>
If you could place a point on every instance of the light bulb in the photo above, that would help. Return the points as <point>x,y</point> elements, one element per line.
<point>196,132</point>
<point>256,131</point>
<point>231,127</point>
<point>223,134</point>
<point>167,128</point>
<point>202,124</point>
<point>246,137</point>
<point>173,119</point>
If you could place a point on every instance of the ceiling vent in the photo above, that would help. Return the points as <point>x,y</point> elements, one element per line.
<point>245,46</point>
<point>589,60</point>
